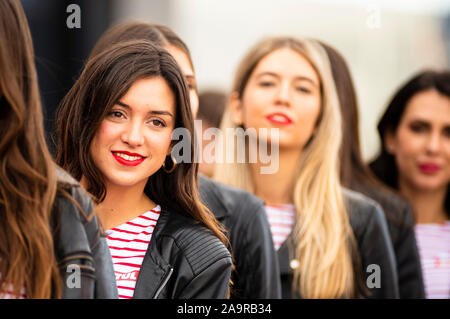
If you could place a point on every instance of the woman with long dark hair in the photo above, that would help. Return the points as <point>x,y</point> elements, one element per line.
<point>47,229</point>
<point>415,161</point>
<point>256,274</point>
<point>356,175</point>
<point>114,131</point>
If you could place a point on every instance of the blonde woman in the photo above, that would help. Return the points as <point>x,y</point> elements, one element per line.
<point>331,242</point>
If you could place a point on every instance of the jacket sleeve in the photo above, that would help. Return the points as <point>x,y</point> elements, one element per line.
<point>105,283</point>
<point>257,261</point>
<point>211,283</point>
<point>378,259</point>
<point>408,260</point>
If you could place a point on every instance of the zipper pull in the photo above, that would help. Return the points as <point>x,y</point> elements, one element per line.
<point>164,283</point>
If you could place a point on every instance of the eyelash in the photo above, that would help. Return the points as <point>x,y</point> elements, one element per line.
<point>417,128</point>
<point>119,114</point>
<point>299,89</point>
<point>161,123</point>
<point>266,84</point>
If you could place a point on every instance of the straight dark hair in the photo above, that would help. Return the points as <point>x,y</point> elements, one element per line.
<point>384,166</point>
<point>105,79</point>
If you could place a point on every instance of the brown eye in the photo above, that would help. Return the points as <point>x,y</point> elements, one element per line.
<point>158,123</point>
<point>418,127</point>
<point>303,89</point>
<point>266,84</point>
<point>116,114</point>
<point>447,131</point>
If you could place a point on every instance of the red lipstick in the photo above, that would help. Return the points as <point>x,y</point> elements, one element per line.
<point>279,119</point>
<point>118,155</point>
<point>429,168</point>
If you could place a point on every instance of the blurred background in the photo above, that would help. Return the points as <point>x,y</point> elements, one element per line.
<point>384,42</point>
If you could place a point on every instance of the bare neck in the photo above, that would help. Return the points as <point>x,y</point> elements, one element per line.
<point>428,206</point>
<point>277,188</point>
<point>122,203</point>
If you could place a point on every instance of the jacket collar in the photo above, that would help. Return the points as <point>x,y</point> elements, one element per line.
<point>212,197</point>
<point>154,268</point>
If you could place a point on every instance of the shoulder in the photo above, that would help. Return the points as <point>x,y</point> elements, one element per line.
<point>396,208</point>
<point>363,211</point>
<point>72,188</point>
<point>225,200</point>
<point>358,203</point>
<point>199,246</point>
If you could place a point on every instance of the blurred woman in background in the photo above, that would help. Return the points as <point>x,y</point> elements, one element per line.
<point>326,237</point>
<point>356,175</point>
<point>46,220</point>
<point>415,160</point>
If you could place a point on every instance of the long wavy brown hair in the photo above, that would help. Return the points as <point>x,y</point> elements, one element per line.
<point>106,77</point>
<point>28,180</point>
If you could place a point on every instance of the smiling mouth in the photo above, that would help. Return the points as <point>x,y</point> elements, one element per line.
<point>128,159</point>
<point>279,119</point>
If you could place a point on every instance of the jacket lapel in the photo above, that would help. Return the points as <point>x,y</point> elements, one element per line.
<point>154,268</point>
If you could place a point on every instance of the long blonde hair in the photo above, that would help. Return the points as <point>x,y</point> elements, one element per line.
<point>325,245</point>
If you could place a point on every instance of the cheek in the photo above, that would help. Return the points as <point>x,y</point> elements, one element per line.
<point>159,144</point>
<point>253,105</point>
<point>408,145</point>
<point>107,133</point>
<point>308,111</point>
<point>194,102</point>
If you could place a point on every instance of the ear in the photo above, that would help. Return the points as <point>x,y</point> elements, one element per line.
<point>389,142</point>
<point>236,109</point>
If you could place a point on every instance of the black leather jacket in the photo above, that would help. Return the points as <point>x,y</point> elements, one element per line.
<point>184,260</point>
<point>82,253</point>
<point>401,228</point>
<point>256,274</point>
<point>371,232</point>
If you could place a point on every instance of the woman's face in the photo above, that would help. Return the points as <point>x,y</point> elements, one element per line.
<point>134,138</point>
<point>282,92</point>
<point>421,143</point>
<point>185,65</point>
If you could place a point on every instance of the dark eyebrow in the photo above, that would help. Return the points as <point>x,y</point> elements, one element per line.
<point>151,112</point>
<point>301,78</point>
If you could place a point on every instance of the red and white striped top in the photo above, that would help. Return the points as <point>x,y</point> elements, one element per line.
<point>281,220</point>
<point>433,241</point>
<point>128,244</point>
<point>8,293</point>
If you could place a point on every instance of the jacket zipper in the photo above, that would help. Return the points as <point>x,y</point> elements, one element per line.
<point>163,284</point>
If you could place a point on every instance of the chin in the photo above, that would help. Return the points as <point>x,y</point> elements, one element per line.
<point>430,184</point>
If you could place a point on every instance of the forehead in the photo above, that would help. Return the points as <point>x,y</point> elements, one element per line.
<point>182,60</point>
<point>286,62</point>
<point>429,105</point>
<point>150,93</point>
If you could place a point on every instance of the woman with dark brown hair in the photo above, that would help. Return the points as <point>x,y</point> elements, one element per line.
<point>115,129</point>
<point>256,274</point>
<point>45,234</point>
<point>356,175</point>
<point>415,160</point>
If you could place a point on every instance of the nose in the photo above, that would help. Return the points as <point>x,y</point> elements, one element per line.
<point>132,135</point>
<point>283,95</point>
<point>433,145</point>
